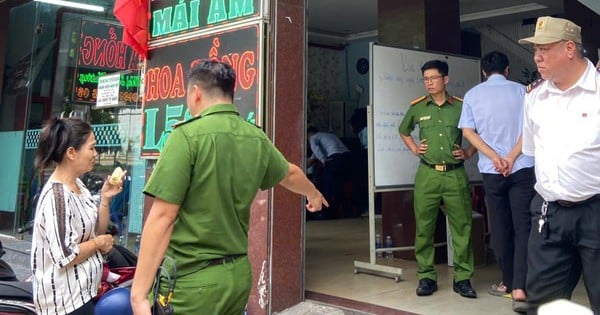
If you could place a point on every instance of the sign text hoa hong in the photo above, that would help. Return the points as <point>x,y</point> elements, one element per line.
<point>166,86</point>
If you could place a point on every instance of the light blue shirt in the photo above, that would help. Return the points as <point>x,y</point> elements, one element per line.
<point>494,109</point>
<point>324,145</point>
<point>363,137</point>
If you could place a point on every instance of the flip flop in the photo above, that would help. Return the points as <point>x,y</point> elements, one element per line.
<point>498,289</point>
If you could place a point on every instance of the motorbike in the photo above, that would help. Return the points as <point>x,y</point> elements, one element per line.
<point>16,297</point>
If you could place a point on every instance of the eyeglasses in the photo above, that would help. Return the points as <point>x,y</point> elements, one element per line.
<point>432,79</point>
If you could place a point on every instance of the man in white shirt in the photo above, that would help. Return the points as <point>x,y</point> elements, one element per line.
<point>562,131</point>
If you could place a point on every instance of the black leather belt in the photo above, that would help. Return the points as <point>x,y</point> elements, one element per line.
<point>443,167</point>
<point>224,260</point>
<point>571,204</point>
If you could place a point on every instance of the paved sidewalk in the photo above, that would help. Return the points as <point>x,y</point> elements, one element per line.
<point>313,308</point>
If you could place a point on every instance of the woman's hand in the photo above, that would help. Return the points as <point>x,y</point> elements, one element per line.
<point>104,243</point>
<point>109,190</point>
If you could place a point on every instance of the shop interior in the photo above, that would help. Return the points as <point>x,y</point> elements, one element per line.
<point>338,90</point>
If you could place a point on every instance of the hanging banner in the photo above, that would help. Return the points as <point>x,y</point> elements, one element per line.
<point>166,83</point>
<point>173,17</point>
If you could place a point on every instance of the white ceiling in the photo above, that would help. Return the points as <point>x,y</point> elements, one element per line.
<point>344,18</point>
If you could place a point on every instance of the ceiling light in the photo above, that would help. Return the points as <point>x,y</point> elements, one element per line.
<point>72,4</point>
<point>501,11</point>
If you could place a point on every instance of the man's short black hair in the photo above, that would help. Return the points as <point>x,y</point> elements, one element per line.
<point>440,66</point>
<point>215,77</point>
<point>312,129</point>
<point>494,62</point>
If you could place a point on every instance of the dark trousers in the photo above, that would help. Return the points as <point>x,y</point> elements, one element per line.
<point>361,182</point>
<point>332,179</point>
<point>508,200</point>
<point>85,309</point>
<point>569,245</point>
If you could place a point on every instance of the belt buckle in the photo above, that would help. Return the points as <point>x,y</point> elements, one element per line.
<point>440,168</point>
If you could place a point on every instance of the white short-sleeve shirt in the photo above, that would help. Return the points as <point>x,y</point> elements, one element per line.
<point>562,131</point>
<point>63,220</point>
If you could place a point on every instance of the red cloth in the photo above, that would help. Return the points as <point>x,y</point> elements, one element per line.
<point>133,14</point>
<point>126,276</point>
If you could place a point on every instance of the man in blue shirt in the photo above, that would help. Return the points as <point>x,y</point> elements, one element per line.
<point>332,153</point>
<point>492,121</point>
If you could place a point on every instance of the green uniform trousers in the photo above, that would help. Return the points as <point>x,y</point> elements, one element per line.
<point>220,289</point>
<point>431,187</point>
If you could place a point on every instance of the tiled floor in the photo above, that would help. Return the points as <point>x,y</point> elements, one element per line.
<point>333,245</point>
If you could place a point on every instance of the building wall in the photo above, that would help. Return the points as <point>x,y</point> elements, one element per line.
<point>504,38</point>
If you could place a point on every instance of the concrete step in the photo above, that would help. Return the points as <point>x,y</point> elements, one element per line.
<point>17,255</point>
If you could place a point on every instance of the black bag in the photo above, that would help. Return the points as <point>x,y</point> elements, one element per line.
<point>162,303</point>
<point>121,257</point>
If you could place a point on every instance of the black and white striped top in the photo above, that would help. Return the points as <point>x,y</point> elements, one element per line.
<point>63,220</point>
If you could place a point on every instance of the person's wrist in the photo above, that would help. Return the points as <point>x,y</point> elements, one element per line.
<point>511,157</point>
<point>105,202</point>
<point>96,246</point>
<point>313,195</point>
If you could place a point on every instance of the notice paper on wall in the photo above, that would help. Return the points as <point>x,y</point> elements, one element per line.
<point>108,90</point>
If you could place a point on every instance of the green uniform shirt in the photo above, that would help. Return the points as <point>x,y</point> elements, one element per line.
<point>213,166</point>
<point>437,124</point>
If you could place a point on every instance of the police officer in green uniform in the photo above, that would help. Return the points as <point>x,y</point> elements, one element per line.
<point>203,186</point>
<point>441,176</point>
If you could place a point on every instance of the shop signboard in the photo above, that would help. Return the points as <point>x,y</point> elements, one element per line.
<point>101,52</point>
<point>166,84</point>
<point>170,18</point>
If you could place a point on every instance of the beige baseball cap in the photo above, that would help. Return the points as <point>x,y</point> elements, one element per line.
<point>550,30</point>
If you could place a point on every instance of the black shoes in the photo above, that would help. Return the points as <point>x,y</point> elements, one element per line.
<point>426,287</point>
<point>464,288</point>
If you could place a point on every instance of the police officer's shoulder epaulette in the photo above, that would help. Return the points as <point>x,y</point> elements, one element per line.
<point>533,85</point>
<point>183,122</point>
<point>457,98</point>
<point>417,100</point>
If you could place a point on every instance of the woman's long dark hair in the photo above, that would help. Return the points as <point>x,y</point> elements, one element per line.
<point>57,135</point>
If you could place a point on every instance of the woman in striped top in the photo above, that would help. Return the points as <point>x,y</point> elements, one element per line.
<point>69,231</point>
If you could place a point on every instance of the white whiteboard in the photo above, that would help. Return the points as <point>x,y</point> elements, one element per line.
<point>395,81</point>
